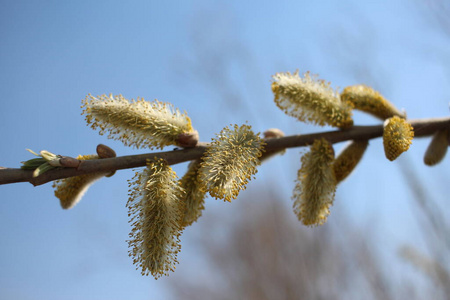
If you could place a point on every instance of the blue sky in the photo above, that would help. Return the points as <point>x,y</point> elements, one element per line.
<point>215,60</point>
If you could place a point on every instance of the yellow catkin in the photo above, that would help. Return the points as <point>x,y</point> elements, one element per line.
<point>316,185</point>
<point>155,208</point>
<point>397,137</point>
<point>194,196</point>
<point>70,190</point>
<point>366,99</point>
<point>347,160</point>
<point>137,123</point>
<point>229,163</point>
<point>437,149</point>
<point>311,100</point>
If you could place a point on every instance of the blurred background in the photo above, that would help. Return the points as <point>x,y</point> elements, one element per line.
<point>388,233</point>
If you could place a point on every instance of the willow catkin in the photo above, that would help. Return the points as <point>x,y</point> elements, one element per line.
<point>349,158</point>
<point>194,196</point>
<point>311,100</point>
<point>366,99</point>
<point>138,123</point>
<point>316,184</point>
<point>437,148</point>
<point>155,208</point>
<point>70,190</point>
<point>397,137</point>
<point>230,161</point>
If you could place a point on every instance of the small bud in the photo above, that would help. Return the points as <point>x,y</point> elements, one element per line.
<point>437,149</point>
<point>397,137</point>
<point>48,156</point>
<point>69,162</point>
<point>188,139</point>
<point>156,209</point>
<point>347,160</point>
<point>311,100</point>
<point>104,151</point>
<point>366,99</point>
<point>230,161</point>
<point>316,184</point>
<point>272,133</point>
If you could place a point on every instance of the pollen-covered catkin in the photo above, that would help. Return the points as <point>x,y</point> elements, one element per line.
<point>194,196</point>
<point>437,149</point>
<point>311,100</point>
<point>137,123</point>
<point>156,208</point>
<point>347,160</point>
<point>366,99</point>
<point>316,184</point>
<point>397,137</point>
<point>70,190</point>
<point>231,160</point>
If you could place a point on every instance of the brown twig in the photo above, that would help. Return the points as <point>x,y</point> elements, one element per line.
<point>422,127</point>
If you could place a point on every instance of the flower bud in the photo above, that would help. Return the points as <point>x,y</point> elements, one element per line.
<point>437,149</point>
<point>397,137</point>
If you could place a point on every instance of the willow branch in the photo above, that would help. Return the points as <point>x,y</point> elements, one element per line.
<point>422,127</point>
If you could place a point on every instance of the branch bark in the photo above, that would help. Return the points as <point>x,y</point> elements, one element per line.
<point>422,127</point>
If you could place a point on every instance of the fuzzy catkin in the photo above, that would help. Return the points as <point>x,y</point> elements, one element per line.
<point>70,190</point>
<point>347,160</point>
<point>316,184</point>
<point>137,123</point>
<point>155,208</point>
<point>231,160</point>
<point>194,196</point>
<point>397,137</point>
<point>311,100</point>
<point>366,99</point>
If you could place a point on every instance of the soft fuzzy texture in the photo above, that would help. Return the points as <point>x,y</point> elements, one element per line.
<point>397,137</point>
<point>366,99</point>
<point>156,208</point>
<point>347,160</point>
<point>316,184</point>
<point>311,100</point>
<point>229,163</point>
<point>140,124</point>
<point>70,190</point>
